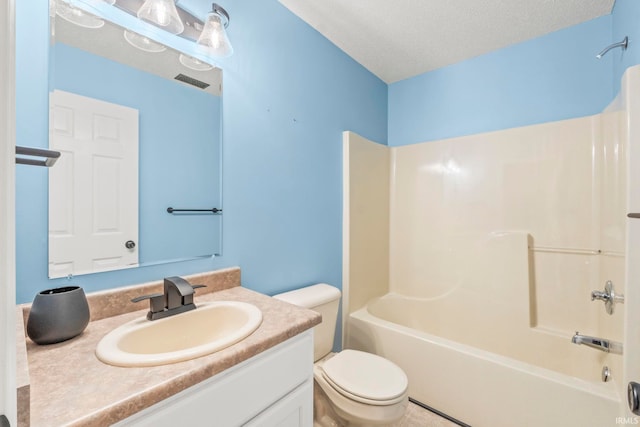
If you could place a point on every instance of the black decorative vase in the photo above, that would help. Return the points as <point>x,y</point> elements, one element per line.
<point>57,315</point>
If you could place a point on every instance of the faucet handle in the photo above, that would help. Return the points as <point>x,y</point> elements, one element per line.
<point>188,299</point>
<point>599,295</point>
<point>609,296</point>
<point>156,302</point>
<point>144,297</point>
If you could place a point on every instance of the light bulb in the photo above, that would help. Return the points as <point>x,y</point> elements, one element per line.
<point>213,40</point>
<point>162,13</point>
<point>143,43</point>
<point>194,64</point>
<point>78,16</point>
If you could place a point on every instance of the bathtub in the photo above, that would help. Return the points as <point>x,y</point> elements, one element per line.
<point>481,386</point>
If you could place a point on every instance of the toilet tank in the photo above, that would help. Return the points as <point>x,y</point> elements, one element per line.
<point>325,299</point>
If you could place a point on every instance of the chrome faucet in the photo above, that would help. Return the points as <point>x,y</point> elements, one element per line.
<point>598,343</point>
<point>177,298</point>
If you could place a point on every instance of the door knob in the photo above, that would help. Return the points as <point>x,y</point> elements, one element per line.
<point>633,392</point>
<point>130,244</point>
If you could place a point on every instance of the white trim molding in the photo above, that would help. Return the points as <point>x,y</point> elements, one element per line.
<point>7,211</point>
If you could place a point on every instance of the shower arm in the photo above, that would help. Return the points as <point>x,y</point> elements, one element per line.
<point>623,44</point>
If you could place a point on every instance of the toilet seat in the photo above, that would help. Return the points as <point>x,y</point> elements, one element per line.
<point>365,378</point>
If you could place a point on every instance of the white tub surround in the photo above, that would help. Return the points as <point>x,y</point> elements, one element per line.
<point>495,242</point>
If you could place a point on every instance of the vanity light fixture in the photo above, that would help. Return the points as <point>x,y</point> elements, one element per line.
<point>214,40</point>
<point>210,36</point>
<point>162,13</point>
<point>77,16</point>
<point>143,43</point>
<point>194,64</point>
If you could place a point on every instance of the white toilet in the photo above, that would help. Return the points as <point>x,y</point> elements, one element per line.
<point>363,389</point>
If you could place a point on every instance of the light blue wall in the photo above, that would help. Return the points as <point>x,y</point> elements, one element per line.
<point>549,78</point>
<point>288,95</point>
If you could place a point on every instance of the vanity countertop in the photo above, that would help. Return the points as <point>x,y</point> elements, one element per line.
<point>69,386</point>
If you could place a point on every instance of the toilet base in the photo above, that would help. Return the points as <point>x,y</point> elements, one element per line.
<point>324,414</point>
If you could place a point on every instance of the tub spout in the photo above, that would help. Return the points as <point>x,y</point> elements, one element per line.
<point>598,343</point>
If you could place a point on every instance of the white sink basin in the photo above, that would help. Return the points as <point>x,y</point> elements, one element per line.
<point>211,327</point>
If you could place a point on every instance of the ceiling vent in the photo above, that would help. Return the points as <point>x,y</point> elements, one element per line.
<point>192,81</point>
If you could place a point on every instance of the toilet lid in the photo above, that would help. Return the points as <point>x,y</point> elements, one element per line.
<point>365,375</point>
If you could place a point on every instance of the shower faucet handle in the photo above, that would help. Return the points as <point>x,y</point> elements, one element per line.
<point>599,295</point>
<point>609,297</point>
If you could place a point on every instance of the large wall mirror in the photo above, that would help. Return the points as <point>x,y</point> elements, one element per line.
<point>139,132</point>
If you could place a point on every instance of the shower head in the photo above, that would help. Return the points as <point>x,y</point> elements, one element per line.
<point>623,44</point>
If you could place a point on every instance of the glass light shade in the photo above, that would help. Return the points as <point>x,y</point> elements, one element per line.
<point>213,40</point>
<point>194,64</point>
<point>162,13</point>
<point>142,42</point>
<point>77,16</point>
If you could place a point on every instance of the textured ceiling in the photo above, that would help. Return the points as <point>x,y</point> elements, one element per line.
<point>399,39</point>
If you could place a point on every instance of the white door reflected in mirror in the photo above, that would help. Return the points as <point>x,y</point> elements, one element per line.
<point>93,203</point>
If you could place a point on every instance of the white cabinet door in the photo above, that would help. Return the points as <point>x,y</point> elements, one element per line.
<point>293,410</point>
<point>93,189</point>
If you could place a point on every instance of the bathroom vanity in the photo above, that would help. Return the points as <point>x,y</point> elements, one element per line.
<point>264,380</point>
<point>273,388</point>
